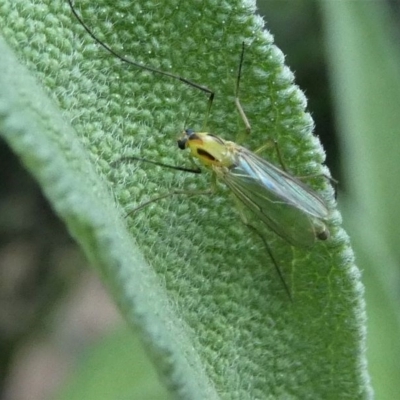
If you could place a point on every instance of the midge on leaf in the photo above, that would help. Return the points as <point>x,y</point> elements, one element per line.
<point>282,202</point>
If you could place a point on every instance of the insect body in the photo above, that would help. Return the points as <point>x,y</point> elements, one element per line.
<point>285,204</point>
<point>282,202</point>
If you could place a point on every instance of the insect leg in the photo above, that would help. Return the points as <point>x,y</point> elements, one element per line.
<point>267,247</point>
<point>333,181</point>
<point>271,255</point>
<point>265,146</point>
<point>237,101</point>
<point>194,170</point>
<point>208,112</point>
<point>122,58</point>
<point>279,154</point>
<point>170,194</point>
<point>274,143</point>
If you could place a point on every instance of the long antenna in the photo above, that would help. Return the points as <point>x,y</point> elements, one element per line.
<point>138,65</point>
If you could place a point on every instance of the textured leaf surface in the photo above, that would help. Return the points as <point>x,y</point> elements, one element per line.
<point>109,371</point>
<point>197,283</point>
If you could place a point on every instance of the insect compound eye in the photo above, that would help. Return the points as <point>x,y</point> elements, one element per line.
<point>187,135</point>
<point>182,143</point>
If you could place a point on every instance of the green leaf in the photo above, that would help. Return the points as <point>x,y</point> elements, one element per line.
<point>115,368</point>
<point>365,60</point>
<point>197,283</point>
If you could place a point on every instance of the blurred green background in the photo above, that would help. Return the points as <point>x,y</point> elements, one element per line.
<point>56,319</point>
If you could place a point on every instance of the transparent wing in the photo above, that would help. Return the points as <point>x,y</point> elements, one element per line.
<point>289,207</point>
